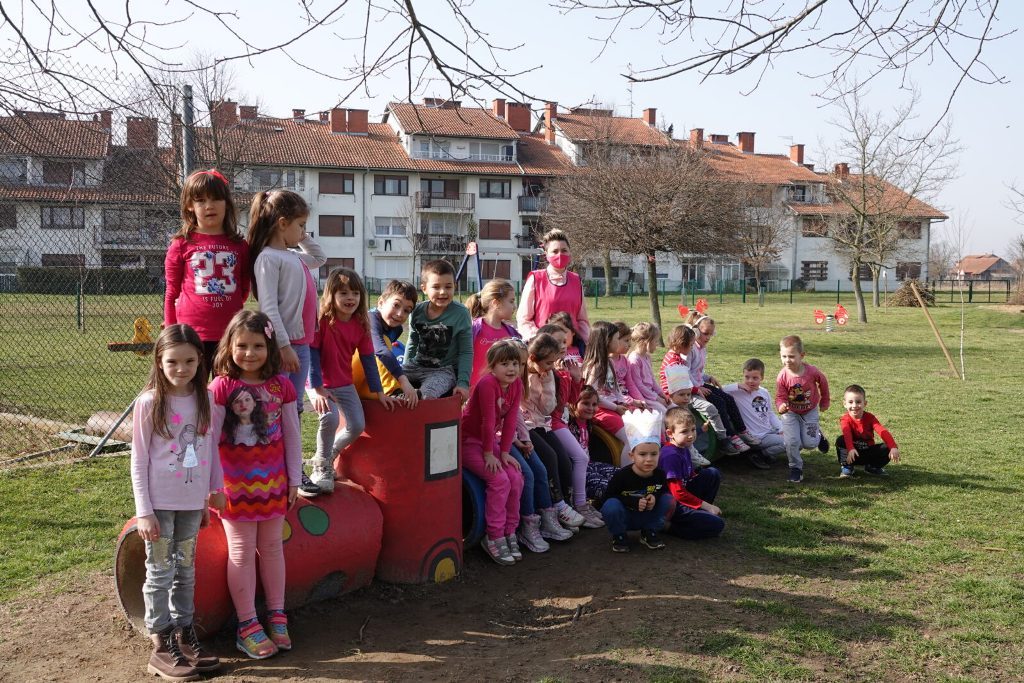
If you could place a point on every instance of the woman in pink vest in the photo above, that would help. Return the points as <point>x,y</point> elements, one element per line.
<point>552,289</point>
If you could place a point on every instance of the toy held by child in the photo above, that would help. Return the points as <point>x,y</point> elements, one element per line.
<point>175,474</point>
<point>800,391</point>
<point>856,444</point>
<point>261,479</point>
<point>637,496</point>
<point>696,516</point>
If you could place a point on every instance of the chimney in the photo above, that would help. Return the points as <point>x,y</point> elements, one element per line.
<point>338,122</point>
<point>697,138</point>
<point>358,121</point>
<point>651,117</point>
<point>325,116</point>
<point>746,142</point>
<point>298,115</point>
<point>550,114</point>
<point>106,120</point>
<point>719,139</point>
<point>518,116</point>
<point>432,101</point>
<point>498,108</point>
<point>842,170</point>
<point>796,154</point>
<point>224,114</point>
<point>142,132</point>
<point>247,112</point>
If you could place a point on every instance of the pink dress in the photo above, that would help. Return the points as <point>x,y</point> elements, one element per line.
<point>549,299</point>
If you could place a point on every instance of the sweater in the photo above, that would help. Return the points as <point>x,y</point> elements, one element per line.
<point>630,487</point>
<point>539,400</point>
<point>281,286</point>
<point>678,465</point>
<point>641,376</point>
<point>207,282</point>
<point>802,392</point>
<point>491,410</point>
<point>864,430</point>
<point>446,340</point>
<point>334,343</point>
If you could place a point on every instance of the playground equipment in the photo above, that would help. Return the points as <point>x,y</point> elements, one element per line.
<point>841,316</point>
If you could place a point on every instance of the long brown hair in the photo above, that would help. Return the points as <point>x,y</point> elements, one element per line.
<point>595,362</point>
<point>207,185</point>
<point>543,346</point>
<point>338,279</point>
<point>175,335</point>
<point>250,321</point>
<point>258,419</point>
<point>267,209</point>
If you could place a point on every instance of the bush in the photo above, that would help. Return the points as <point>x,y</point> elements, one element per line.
<point>43,280</point>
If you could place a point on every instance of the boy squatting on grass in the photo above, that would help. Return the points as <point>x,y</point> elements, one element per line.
<point>856,445</point>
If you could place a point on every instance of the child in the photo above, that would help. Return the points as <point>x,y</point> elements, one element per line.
<point>637,495</point>
<point>491,409</point>
<point>439,357</point>
<point>800,390</point>
<point>581,413</point>
<point>175,475</point>
<point>574,346</point>
<point>343,329</point>
<point>491,309</point>
<point>543,398</point>
<point>207,262</point>
<point>386,326</point>
<point>680,388</point>
<point>643,341</point>
<point>261,480</point>
<point>551,289</point>
<point>755,405</point>
<point>857,441</point>
<point>620,365</point>
<point>282,281</point>
<point>598,373</point>
<point>696,516</point>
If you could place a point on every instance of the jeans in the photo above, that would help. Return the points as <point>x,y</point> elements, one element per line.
<point>772,444</point>
<point>328,441</point>
<point>299,378</point>
<point>799,431</point>
<point>696,524</point>
<point>432,382</point>
<point>535,483</point>
<point>619,519</point>
<point>171,570</point>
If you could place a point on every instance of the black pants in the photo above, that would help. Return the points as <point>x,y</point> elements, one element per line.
<point>871,456</point>
<point>556,460</point>
<point>727,409</point>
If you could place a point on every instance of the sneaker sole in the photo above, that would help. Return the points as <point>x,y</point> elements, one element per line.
<point>309,494</point>
<point>167,677</point>
<point>652,547</point>
<point>534,548</point>
<point>616,549</point>
<point>250,655</point>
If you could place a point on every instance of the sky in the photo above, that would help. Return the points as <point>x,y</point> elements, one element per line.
<point>572,65</point>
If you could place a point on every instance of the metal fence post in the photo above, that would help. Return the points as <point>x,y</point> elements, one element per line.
<point>838,283</point>
<point>970,291</point>
<point>630,285</point>
<point>721,291</point>
<point>791,291</point>
<point>597,291</point>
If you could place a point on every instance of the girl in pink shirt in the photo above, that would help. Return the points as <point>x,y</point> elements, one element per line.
<point>598,373</point>
<point>207,262</point>
<point>552,289</point>
<point>175,474</point>
<point>574,346</point>
<point>490,309</point>
<point>643,341</point>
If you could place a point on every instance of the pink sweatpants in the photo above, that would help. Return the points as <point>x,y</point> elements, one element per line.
<point>245,540</point>
<point>504,488</point>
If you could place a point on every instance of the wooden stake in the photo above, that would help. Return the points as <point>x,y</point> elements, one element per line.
<point>945,351</point>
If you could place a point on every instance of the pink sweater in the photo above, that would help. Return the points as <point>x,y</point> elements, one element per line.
<point>642,377</point>
<point>207,282</point>
<point>802,392</point>
<point>490,410</point>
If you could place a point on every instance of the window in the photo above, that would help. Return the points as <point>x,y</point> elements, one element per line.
<point>495,189</point>
<point>436,187</point>
<point>797,193</point>
<point>864,273</point>
<point>492,268</point>
<point>63,173</point>
<point>13,170</point>
<point>63,218</point>
<point>814,270</point>
<point>390,226</point>
<point>495,230</point>
<point>276,178</point>
<point>439,225</point>
<point>909,270</point>
<point>909,230</point>
<point>8,217</point>
<point>814,227</point>
<point>337,183</point>
<point>121,219</point>
<point>597,272</point>
<point>391,185</point>
<point>63,261</point>
<point>333,263</point>
<point>337,226</point>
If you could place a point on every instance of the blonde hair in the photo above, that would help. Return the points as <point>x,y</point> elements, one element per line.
<point>678,417</point>
<point>344,278</point>
<point>792,342</point>
<point>495,290</point>
<point>644,333</point>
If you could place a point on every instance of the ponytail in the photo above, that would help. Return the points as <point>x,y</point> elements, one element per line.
<point>269,207</point>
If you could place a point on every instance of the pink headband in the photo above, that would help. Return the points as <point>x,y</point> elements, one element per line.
<point>216,174</point>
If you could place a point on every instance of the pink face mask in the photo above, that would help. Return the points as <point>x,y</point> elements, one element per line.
<point>559,260</point>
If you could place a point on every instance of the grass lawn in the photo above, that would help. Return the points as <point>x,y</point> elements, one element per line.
<point>936,547</point>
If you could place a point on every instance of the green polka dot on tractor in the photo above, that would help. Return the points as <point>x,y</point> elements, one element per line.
<point>314,520</point>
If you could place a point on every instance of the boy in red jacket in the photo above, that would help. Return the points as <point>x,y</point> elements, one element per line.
<point>856,445</point>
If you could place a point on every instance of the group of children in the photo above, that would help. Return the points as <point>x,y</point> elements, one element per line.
<point>235,446</point>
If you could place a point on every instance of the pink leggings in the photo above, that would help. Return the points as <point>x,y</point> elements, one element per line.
<point>580,459</point>
<point>245,540</point>
<point>504,488</point>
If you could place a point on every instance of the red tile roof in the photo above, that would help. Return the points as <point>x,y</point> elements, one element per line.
<point>979,263</point>
<point>580,127</point>
<point>54,137</point>
<point>764,169</point>
<point>458,122</point>
<point>537,157</point>
<point>893,199</point>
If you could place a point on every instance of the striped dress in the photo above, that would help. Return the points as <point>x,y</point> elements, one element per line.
<point>255,476</point>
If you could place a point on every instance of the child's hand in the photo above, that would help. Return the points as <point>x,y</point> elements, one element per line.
<point>462,393</point>
<point>525,447</point>
<point>148,528</point>
<point>894,455</point>
<point>386,401</point>
<point>491,463</point>
<point>783,408</point>
<point>509,460</point>
<point>706,426</point>
<point>218,501</point>
<point>320,400</point>
<point>409,392</point>
<point>289,360</point>
<point>293,495</point>
<point>639,403</point>
<point>851,456</point>
<point>712,380</point>
<point>205,520</point>
<point>664,400</point>
<point>703,392</point>
<point>646,503</point>
<point>621,410</point>
<point>713,509</point>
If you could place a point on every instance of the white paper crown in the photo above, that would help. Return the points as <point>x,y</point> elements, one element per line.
<point>678,378</point>
<point>643,426</point>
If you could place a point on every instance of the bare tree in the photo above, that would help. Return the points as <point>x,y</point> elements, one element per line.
<point>1016,202</point>
<point>640,201</point>
<point>941,259</point>
<point>762,238</point>
<point>896,169</point>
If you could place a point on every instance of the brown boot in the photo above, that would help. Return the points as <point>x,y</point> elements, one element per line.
<point>195,653</point>
<point>167,662</point>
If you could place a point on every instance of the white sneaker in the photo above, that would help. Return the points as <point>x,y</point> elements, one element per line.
<point>513,547</point>
<point>322,474</point>
<point>529,534</point>
<point>550,528</point>
<point>697,459</point>
<point>739,444</point>
<point>569,517</point>
<point>591,518</point>
<point>497,550</point>
<point>749,438</point>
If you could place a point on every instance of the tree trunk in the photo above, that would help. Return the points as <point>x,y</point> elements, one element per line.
<point>652,294</point>
<point>875,290</point>
<point>858,293</point>
<point>606,257</point>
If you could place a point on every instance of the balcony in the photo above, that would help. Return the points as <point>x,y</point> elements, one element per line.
<point>527,242</point>
<point>533,204</point>
<point>441,244</point>
<point>441,155</point>
<point>446,201</point>
<point>145,238</point>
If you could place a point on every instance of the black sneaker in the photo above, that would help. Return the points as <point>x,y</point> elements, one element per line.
<point>620,544</point>
<point>877,471</point>
<point>651,540</point>
<point>307,489</point>
<point>796,475</point>
<point>822,443</point>
<point>759,460</point>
